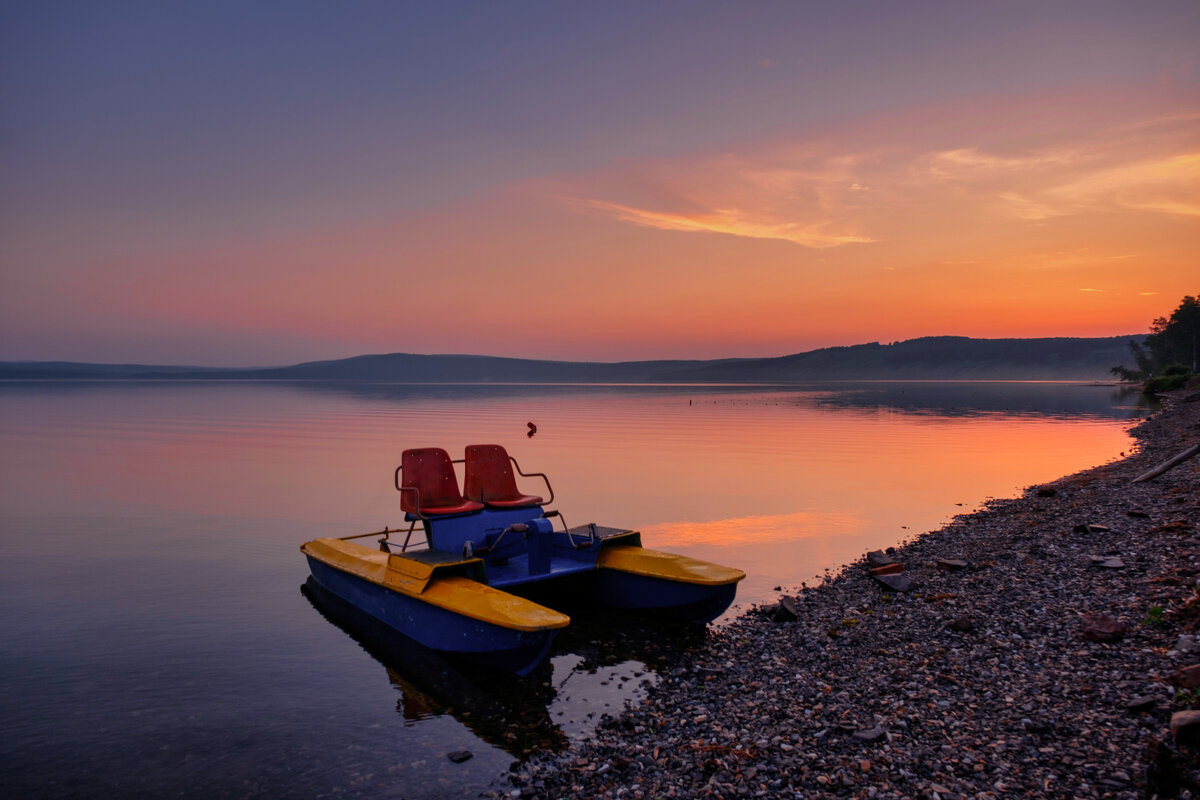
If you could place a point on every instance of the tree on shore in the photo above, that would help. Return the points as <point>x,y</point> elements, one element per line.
<point>1173,342</point>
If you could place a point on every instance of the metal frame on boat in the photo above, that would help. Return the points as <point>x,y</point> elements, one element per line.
<point>460,590</point>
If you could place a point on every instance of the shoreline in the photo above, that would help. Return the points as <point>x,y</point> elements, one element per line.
<point>976,682</point>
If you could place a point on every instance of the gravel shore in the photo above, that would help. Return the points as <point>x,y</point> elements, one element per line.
<point>1046,665</point>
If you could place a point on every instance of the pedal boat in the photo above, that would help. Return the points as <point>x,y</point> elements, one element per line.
<point>460,590</point>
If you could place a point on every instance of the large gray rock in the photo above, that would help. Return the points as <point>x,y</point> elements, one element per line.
<point>869,734</point>
<point>787,611</point>
<point>897,583</point>
<point>877,558</point>
<point>1145,702</point>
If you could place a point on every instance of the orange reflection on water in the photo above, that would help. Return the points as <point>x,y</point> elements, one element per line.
<point>777,528</point>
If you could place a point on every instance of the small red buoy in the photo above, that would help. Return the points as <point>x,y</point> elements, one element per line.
<point>532,429</point>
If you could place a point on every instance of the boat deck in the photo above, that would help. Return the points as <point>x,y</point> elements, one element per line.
<point>434,557</point>
<point>564,560</point>
<point>517,571</point>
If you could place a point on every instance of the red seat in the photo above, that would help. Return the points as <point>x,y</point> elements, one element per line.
<point>430,486</point>
<point>490,479</point>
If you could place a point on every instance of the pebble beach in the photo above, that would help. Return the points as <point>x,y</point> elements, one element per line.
<point>1039,647</point>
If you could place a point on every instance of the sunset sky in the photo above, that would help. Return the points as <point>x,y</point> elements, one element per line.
<point>234,183</point>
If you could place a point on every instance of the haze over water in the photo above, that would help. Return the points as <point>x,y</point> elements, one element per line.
<point>156,643</point>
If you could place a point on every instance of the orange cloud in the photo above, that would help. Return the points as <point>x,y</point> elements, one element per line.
<point>966,161</point>
<point>806,194</point>
<point>830,191</point>
<point>735,222</point>
<point>1169,185</point>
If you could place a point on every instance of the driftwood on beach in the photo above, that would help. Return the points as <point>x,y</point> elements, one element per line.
<point>1170,463</point>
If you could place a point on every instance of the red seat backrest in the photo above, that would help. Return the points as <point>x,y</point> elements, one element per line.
<point>490,475</point>
<point>429,471</point>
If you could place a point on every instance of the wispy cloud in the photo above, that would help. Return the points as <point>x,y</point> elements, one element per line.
<point>734,222</point>
<point>804,193</point>
<point>1168,185</point>
<point>872,184</point>
<point>1024,208</point>
<point>1151,165</point>
<point>966,162</point>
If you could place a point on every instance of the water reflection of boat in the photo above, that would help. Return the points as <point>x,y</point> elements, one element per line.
<point>465,588</point>
<point>605,637</point>
<point>499,708</point>
<point>503,710</point>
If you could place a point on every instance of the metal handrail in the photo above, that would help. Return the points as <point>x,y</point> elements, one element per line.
<point>414,490</point>
<point>591,540</point>
<point>385,543</point>
<point>592,534</point>
<point>516,527</point>
<point>541,475</point>
<point>385,532</point>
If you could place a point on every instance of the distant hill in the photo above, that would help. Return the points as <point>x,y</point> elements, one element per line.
<point>432,369</point>
<point>394,367</point>
<point>79,370</point>
<point>929,358</point>
<point>935,357</point>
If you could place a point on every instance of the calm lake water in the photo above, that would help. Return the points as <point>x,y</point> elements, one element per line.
<point>157,638</point>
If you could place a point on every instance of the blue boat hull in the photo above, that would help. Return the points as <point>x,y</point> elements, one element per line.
<point>684,601</point>
<point>437,628</point>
